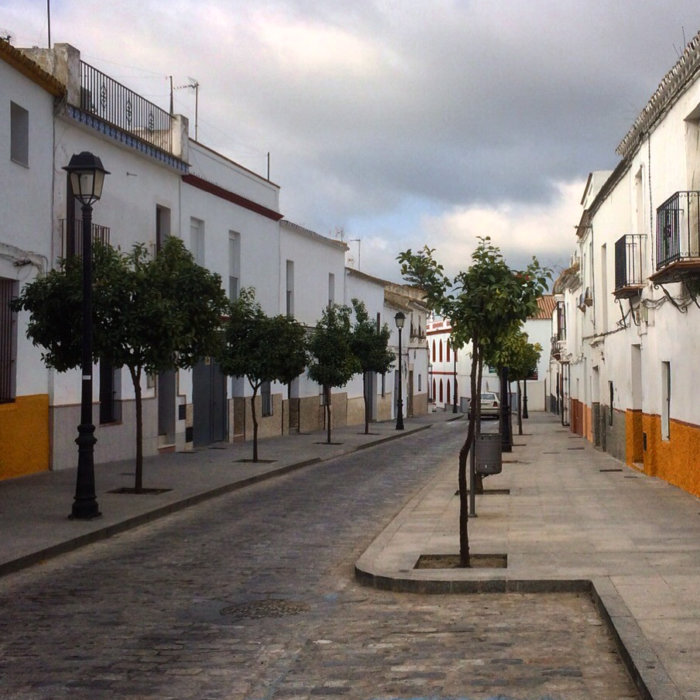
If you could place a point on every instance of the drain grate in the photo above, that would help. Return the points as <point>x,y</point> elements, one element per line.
<point>258,609</point>
<point>575,448</point>
<point>610,470</point>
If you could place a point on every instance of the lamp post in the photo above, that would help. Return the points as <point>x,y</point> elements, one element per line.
<point>87,177</point>
<point>525,413</point>
<point>399,320</point>
<point>454,388</point>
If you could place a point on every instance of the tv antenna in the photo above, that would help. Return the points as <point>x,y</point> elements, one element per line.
<point>192,85</point>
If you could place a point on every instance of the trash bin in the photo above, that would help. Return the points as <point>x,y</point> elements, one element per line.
<point>487,454</point>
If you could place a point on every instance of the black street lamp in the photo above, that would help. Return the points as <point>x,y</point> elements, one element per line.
<point>86,177</point>
<point>399,319</point>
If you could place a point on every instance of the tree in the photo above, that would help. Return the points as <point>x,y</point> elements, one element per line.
<point>520,357</point>
<point>333,361</point>
<point>484,303</point>
<point>370,346</point>
<point>150,315</point>
<point>261,348</point>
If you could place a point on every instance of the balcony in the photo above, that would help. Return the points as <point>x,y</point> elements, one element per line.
<point>72,236</point>
<point>630,253</point>
<point>124,109</point>
<point>677,243</point>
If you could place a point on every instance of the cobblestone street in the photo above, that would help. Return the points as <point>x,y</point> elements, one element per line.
<point>252,596</point>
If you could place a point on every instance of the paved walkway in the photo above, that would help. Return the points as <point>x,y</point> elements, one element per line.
<point>569,518</point>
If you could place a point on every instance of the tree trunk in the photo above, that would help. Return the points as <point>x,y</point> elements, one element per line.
<point>365,392</point>
<point>255,424</point>
<point>464,557</point>
<point>329,416</point>
<point>520,410</point>
<point>136,380</point>
<point>506,432</point>
<point>477,479</point>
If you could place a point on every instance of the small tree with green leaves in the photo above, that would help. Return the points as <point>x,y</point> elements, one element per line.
<point>521,358</point>
<point>370,343</point>
<point>484,303</point>
<point>333,361</point>
<point>261,348</point>
<point>149,315</point>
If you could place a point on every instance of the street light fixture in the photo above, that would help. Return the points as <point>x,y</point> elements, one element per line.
<point>399,319</point>
<point>86,177</point>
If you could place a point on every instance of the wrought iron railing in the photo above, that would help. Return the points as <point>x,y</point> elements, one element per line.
<point>630,253</point>
<point>677,227</point>
<point>72,236</point>
<point>113,102</point>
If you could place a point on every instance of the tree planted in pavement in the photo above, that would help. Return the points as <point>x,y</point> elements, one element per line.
<point>333,361</point>
<point>484,303</point>
<point>370,343</point>
<point>150,314</point>
<point>261,348</point>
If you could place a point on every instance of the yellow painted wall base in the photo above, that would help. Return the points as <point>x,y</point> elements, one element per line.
<point>676,460</point>
<point>24,436</point>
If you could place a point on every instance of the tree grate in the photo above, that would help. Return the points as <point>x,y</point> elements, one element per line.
<point>258,609</point>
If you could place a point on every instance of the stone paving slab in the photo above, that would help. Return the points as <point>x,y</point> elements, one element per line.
<point>572,520</point>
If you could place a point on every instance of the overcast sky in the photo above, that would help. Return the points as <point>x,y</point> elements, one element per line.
<point>402,122</point>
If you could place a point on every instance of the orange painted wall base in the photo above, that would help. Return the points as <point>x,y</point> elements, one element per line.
<point>676,460</point>
<point>24,436</point>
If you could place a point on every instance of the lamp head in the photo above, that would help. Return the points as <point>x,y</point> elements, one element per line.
<point>87,176</point>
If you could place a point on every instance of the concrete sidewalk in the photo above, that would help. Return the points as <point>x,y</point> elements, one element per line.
<point>34,509</point>
<point>569,518</point>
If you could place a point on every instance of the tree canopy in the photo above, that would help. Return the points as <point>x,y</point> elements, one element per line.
<point>484,303</point>
<point>333,361</point>
<point>370,344</point>
<point>150,314</point>
<point>261,348</point>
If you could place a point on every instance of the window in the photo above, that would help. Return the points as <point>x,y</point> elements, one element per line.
<point>19,134</point>
<point>440,349</point>
<point>331,289</point>
<point>162,226</point>
<point>290,288</point>
<point>447,345</point>
<point>110,393</point>
<point>8,341</point>
<point>266,398</point>
<point>234,265</point>
<point>433,350</point>
<point>197,240</point>
<point>665,400</point>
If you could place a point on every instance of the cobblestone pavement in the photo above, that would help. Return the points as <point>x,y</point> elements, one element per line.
<point>252,596</point>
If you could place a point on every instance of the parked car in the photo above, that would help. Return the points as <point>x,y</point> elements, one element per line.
<point>490,404</point>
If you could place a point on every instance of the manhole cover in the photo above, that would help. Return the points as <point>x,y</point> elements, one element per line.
<point>257,609</point>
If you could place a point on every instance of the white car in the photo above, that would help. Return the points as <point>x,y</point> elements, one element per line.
<point>490,404</point>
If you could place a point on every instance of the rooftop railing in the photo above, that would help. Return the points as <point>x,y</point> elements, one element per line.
<point>123,108</point>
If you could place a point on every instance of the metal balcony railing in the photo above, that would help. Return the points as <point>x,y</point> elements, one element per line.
<point>677,227</point>
<point>72,237</point>
<point>114,103</point>
<point>630,254</point>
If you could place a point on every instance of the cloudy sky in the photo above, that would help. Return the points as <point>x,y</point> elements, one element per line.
<point>401,122</point>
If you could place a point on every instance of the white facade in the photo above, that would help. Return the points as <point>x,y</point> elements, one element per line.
<point>630,299</point>
<point>26,147</point>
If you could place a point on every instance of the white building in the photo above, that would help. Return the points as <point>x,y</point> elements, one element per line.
<point>630,299</point>
<point>26,191</point>
<point>160,184</point>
